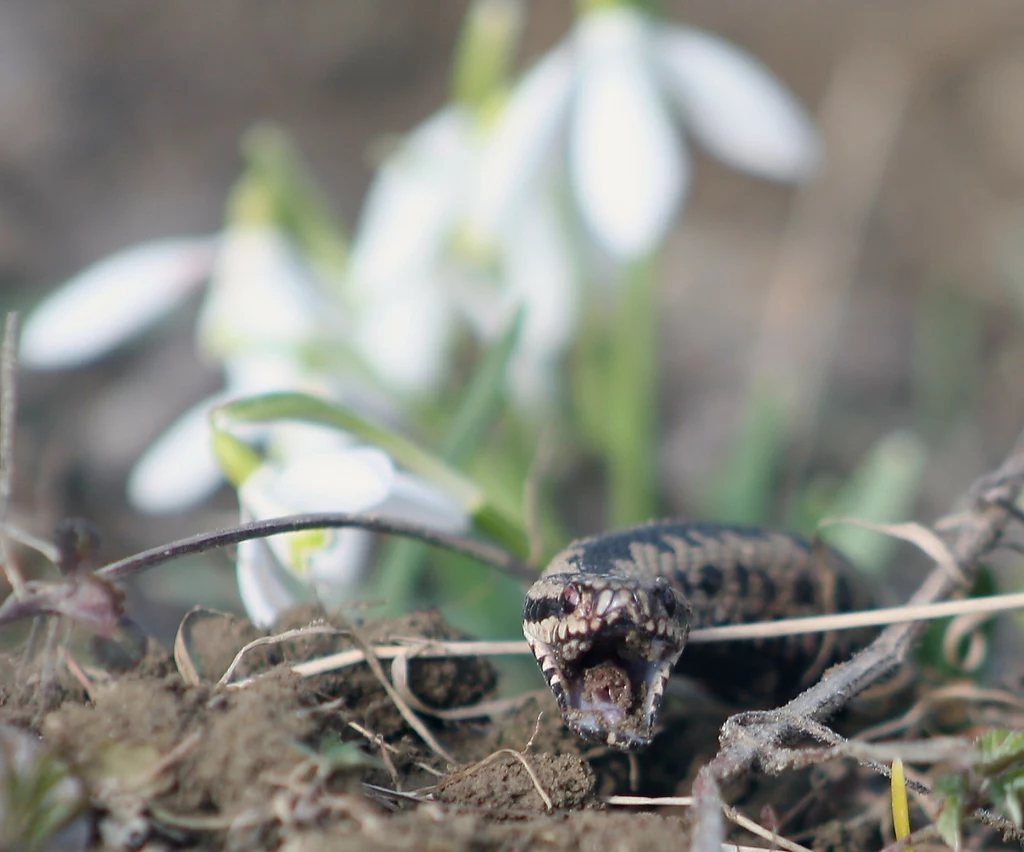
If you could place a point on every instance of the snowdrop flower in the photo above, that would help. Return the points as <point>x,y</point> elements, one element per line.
<point>180,469</point>
<point>324,565</point>
<point>619,90</point>
<point>404,310</point>
<point>263,309</point>
<point>263,297</point>
<point>419,266</point>
<point>113,301</point>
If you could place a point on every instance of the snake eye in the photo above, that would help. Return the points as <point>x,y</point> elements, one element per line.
<point>668,599</point>
<point>569,598</point>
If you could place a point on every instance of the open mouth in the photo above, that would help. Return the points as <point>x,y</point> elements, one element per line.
<point>611,693</point>
<point>606,646</point>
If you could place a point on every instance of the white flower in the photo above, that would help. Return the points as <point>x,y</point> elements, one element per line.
<point>618,89</point>
<point>402,307</point>
<point>325,565</point>
<point>179,469</point>
<point>421,263</point>
<point>263,309</point>
<point>113,301</point>
<point>262,298</point>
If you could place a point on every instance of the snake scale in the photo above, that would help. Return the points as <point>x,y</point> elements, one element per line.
<point>609,618</point>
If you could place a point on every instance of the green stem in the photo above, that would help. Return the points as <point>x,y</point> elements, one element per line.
<point>399,574</point>
<point>631,437</point>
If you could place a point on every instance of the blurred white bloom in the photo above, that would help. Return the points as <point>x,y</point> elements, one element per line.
<point>262,298</point>
<point>420,264</point>
<point>618,90</point>
<point>263,308</point>
<point>113,301</point>
<point>403,309</point>
<point>323,565</point>
<point>179,469</point>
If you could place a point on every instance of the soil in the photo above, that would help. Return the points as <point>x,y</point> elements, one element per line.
<point>164,758</point>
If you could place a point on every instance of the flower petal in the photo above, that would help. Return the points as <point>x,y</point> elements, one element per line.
<point>540,275</point>
<point>353,480</point>
<point>179,469</point>
<point>350,480</point>
<point>626,160</point>
<point>735,107</point>
<point>411,206</point>
<point>405,340</point>
<point>417,501</point>
<point>113,301</point>
<point>261,295</point>
<point>266,589</point>
<point>522,140</point>
<point>325,564</point>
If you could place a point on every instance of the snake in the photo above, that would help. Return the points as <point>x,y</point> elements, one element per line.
<point>608,620</point>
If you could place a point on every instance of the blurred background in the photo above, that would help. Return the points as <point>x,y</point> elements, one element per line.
<point>883,298</point>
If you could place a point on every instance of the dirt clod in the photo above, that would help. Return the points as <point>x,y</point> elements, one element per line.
<point>504,782</point>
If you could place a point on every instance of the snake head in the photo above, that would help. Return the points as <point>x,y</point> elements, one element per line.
<point>606,646</point>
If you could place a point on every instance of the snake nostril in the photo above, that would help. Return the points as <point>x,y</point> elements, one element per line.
<point>569,598</point>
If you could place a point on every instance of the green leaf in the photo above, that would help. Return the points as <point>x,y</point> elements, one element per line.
<point>743,490</point>
<point>998,750</point>
<point>345,755</point>
<point>236,458</point>
<point>303,408</point>
<point>931,650</point>
<point>400,569</point>
<point>948,356</point>
<point>483,401</point>
<point>883,489</point>
<point>487,604</point>
<point>39,798</point>
<point>1006,792</point>
<point>952,789</point>
<point>298,206</point>
<point>588,375</point>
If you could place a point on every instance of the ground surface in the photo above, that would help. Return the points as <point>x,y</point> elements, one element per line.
<point>169,758</point>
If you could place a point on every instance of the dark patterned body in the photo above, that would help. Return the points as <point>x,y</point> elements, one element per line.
<point>726,575</point>
<point>736,575</point>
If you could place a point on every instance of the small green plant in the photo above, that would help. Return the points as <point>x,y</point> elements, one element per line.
<point>39,795</point>
<point>994,778</point>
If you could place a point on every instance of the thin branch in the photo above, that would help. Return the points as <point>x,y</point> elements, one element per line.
<point>988,605</point>
<point>41,546</point>
<point>404,709</point>
<point>431,650</point>
<point>777,841</point>
<point>8,417</point>
<point>287,636</point>
<point>481,551</point>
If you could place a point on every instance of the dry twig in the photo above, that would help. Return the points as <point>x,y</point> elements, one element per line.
<point>407,712</point>
<point>8,415</point>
